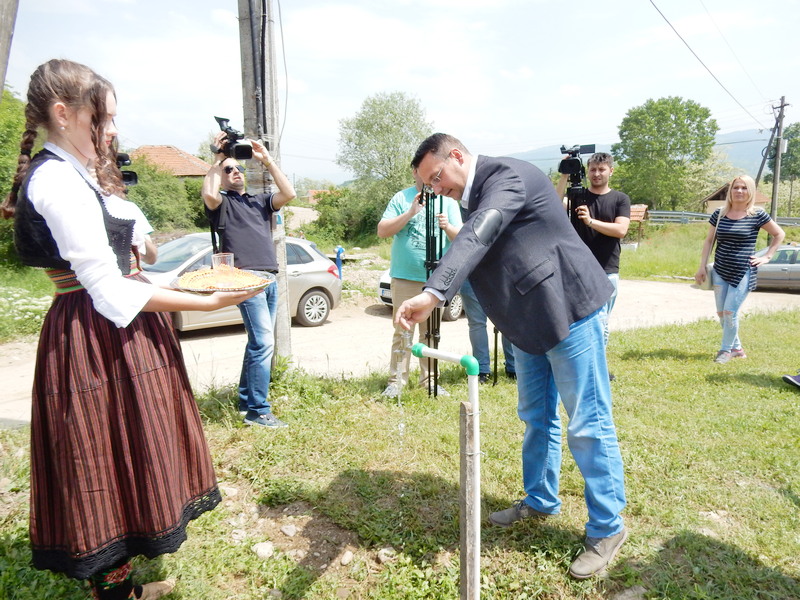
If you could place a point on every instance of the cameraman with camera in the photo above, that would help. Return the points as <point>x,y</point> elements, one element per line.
<point>243,222</point>
<point>600,216</point>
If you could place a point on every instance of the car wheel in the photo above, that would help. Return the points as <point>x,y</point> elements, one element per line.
<point>453,310</point>
<point>313,309</point>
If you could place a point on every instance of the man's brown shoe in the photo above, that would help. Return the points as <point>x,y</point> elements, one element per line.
<point>596,555</point>
<point>509,516</point>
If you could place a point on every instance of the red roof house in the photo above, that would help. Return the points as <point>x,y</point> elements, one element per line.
<point>174,160</point>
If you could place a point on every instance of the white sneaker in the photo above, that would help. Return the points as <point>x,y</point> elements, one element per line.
<point>391,391</point>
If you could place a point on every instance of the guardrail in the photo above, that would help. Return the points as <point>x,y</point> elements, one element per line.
<point>668,216</point>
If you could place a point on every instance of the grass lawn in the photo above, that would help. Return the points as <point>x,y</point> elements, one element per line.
<point>712,459</point>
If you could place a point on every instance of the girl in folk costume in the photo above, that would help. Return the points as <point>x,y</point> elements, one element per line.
<point>119,462</point>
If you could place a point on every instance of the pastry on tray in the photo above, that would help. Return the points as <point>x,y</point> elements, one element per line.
<point>221,279</point>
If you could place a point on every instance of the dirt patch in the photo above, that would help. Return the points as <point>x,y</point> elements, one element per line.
<point>312,539</point>
<point>299,533</point>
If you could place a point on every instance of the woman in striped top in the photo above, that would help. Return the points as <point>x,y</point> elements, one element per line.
<point>736,226</point>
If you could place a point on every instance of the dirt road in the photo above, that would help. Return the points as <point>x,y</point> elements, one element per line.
<point>356,338</point>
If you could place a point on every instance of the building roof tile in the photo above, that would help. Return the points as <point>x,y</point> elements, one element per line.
<point>174,160</point>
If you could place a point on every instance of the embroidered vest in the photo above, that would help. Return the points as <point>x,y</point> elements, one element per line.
<point>34,241</point>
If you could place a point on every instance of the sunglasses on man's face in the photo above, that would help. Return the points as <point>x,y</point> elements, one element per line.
<point>229,170</point>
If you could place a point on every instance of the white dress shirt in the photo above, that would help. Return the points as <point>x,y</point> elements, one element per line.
<point>59,193</point>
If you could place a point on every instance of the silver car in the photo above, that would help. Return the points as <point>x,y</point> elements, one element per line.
<point>783,271</point>
<point>313,279</point>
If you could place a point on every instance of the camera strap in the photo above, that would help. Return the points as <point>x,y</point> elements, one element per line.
<point>218,229</point>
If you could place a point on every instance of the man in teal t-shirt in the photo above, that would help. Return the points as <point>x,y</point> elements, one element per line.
<point>404,219</point>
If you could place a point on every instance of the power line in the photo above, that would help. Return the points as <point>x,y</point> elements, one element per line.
<point>740,142</point>
<point>704,65</point>
<point>710,16</point>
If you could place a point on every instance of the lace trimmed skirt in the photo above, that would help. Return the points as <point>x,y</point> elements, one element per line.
<point>119,461</point>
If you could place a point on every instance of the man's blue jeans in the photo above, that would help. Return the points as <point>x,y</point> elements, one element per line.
<point>729,300</point>
<point>605,312</point>
<point>574,370</point>
<point>478,337</point>
<point>259,314</point>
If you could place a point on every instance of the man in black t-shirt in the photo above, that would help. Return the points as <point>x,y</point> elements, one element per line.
<point>247,233</point>
<point>601,217</point>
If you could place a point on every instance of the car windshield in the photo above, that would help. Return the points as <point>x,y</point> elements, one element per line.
<point>173,254</point>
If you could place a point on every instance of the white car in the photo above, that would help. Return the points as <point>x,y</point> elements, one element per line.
<point>313,279</point>
<point>451,312</point>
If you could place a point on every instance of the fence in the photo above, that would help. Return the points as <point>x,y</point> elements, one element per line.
<point>668,216</point>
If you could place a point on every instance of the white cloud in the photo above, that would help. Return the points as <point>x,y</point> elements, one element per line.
<point>505,77</point>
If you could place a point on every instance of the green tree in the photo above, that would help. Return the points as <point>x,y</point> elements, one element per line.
<point>197,213</point>
<point>380,140</point>
<point>204,149</point>
<point>707,177</point>
<point>790,161</point>
<point>12,124</point>
<point>162,197</point>
<point>377,146</point>
<point>661,143</point>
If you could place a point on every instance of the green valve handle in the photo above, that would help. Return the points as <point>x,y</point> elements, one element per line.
<point>469,362</point>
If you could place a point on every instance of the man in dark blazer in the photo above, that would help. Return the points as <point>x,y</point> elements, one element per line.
<point>543,289</point>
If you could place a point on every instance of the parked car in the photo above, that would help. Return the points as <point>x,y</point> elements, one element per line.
<point>782,272</point>
<point>314,285</point>
<point>451,312</point>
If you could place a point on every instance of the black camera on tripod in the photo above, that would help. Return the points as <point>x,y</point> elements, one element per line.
<point>573,166</point>
<point>128,177</point>
<point>234,148</point>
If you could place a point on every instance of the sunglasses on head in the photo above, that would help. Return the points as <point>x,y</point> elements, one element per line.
<point>229,169</point>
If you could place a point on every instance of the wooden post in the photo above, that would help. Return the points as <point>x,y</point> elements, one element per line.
<point>470,482</point>
<point>466,496</point>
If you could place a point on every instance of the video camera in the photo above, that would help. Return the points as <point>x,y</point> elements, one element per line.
<point>128,177</point>
<point>573,166</point>
<point>233,148</point>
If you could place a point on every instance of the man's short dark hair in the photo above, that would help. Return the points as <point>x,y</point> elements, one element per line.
<point>601,158</point>
<point>436,145</point>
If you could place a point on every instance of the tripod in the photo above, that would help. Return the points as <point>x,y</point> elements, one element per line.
<point>434,246</point>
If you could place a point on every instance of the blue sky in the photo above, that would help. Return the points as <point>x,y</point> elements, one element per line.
<point>505,76</point>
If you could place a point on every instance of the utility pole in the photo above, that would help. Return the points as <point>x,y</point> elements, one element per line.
<point>8,16</point>
<point>260,108</point>
<point>776,171</point>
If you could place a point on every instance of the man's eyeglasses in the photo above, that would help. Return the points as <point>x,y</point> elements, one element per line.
<point>229,169</point>
<point>437,179</point>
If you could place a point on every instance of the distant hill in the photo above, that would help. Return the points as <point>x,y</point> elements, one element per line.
<point>742,148</point>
